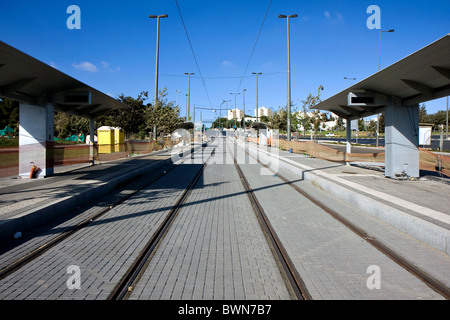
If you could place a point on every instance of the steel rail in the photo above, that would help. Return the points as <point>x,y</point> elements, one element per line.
<point>18,263</point>
<point>289,271</point>
<point>425,277</point>
<point>125,286</point>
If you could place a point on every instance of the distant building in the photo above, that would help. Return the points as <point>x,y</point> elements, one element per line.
<point>263,111</point>
<point>235,114</point>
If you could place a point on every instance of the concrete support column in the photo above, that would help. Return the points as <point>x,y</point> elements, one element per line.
<point>402,140</point>
<point>36,130</point>
<point>348,148</point>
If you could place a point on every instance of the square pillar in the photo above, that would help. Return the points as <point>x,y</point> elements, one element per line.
<point>348,148</point>
<point>402,140</point>
<point>36,130</point>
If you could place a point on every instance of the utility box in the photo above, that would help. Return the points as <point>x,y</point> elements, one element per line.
<point>105,135</point>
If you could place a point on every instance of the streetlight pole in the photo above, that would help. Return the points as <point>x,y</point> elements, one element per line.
<point>446,121</point>
<point>256,73</point>
<point>235,110</point>
<point>379,68</point>
<point>189,94</point>
<point>243,106</point>
<point>288,76</point>
<point>349,80</point>
<point>157,66</point>
<point>220,112</point>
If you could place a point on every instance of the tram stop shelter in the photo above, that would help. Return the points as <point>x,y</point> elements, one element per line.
<point>397,91</point>
<point>41,90</point>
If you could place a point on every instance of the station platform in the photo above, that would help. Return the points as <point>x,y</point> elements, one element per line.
<point>418,207</point>
<point>29,203</point>
<point>215,248</point>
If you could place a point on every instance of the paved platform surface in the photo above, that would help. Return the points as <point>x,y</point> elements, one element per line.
<point>419,208</point>
<point>26,203</point>
<point>216,250</point>
<point>331,259</point>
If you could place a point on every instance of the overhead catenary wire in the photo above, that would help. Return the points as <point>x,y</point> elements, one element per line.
<point>254,46</point>
<point>193,53</point>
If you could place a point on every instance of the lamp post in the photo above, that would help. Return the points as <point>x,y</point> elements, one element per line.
<point>349,80</point>
<point>256,73</point>
<point>235,110</point>
<point>220,112</point>
<point>379,67</point>
<point>446,122</point>
<point>288,75</point>
<point>243,106</point>
<point>157,65</point>
<point>189,94</point>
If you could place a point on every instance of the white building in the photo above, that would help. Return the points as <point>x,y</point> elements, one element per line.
<point>263,111</point>
<point>235,114</point>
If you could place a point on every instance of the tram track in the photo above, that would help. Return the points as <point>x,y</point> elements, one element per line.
<point>287,267</point>
<point>70,231</point>
<point>422,275</point>
<point>126,285</point>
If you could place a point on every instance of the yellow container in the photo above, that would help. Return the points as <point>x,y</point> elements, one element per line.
<point>106,148</point>
<point>105,135</point>
<point>119,136</point>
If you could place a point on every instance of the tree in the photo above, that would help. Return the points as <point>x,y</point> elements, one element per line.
<point>9,114</point>
<point>372,127</point>
<point>308,104</point>
<point>131,120</point>
<point>361,125</point>
<point>67,125</point>
<point>164,115</point>
<point>423,118</point>
<point>278,120</point>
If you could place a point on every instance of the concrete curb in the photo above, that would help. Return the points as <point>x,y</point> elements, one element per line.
<point>39,216</point>
<point>424,231</point>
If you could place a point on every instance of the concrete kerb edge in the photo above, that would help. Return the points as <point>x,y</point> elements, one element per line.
<point>38,216</point>
<point>422,230</point>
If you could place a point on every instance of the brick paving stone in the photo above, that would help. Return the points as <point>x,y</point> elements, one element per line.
<point>103,250</point>
<point>330,258</point>
<point>221,252</point>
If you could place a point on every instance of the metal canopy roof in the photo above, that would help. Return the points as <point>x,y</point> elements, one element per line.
<point>26,79</point>
<point>421,76</point>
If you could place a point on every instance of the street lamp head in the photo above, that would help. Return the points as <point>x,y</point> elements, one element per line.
<point>282,16</point>
<point>189,74</point>
<point>392,30</point>
<point>293,16</point>
<point>256,73</point>
<point>155,16</point>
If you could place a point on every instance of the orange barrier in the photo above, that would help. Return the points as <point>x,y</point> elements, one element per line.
<point>63,155</point>
<point>427,160</point>
<point>326,153</point>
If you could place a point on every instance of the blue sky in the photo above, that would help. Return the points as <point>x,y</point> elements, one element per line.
<point>114,51</point>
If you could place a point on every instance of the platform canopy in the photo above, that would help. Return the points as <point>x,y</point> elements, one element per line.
<point>26,79</point>
<point>419,77</point>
